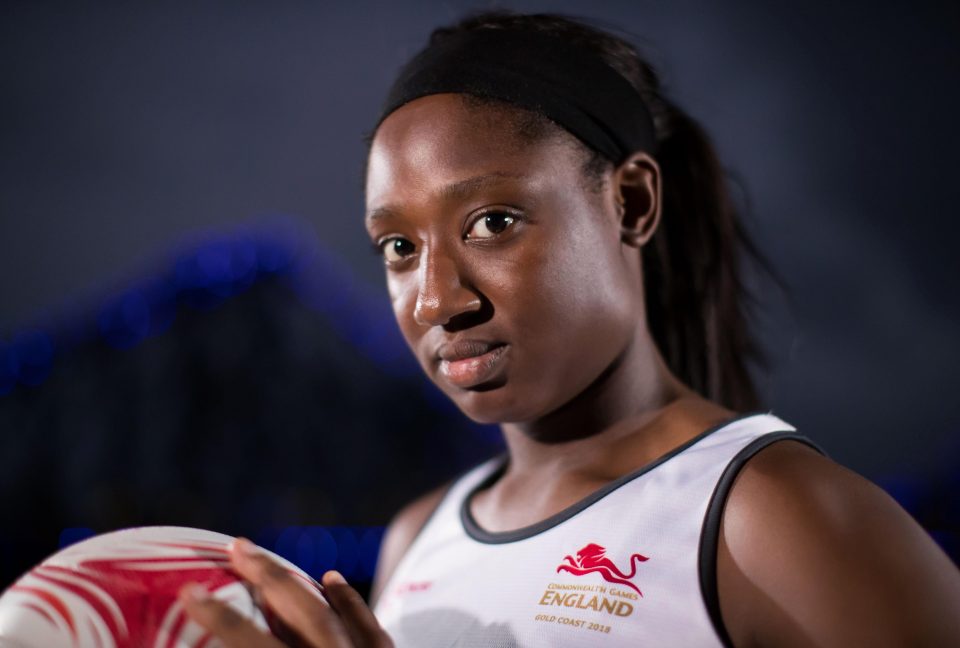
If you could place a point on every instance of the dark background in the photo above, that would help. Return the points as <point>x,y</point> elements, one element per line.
<point>192,329</point>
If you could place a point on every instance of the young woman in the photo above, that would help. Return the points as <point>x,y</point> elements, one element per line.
<point>561,254</point>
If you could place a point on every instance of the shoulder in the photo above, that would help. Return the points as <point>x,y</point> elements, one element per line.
<point>400,534</point>
<point>810,553</point>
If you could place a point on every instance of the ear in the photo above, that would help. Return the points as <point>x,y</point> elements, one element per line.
<point>636,188</point>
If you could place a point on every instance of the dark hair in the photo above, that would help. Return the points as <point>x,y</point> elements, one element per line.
<point>695,297</point>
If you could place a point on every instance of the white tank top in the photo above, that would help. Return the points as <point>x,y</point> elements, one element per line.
<point>632,564</point>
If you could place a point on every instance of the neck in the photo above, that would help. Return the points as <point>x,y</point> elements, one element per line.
<point>628,396</point>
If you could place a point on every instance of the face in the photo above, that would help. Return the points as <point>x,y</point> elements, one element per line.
<point>507,272</point>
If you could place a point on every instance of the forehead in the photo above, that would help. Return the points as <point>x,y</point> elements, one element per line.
<point>438,140</point>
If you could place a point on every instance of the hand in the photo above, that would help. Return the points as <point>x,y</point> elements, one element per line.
<point>346,622</point>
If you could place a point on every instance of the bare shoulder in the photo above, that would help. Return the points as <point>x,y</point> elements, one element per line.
<point>401,532</point>
<point>812,554</point>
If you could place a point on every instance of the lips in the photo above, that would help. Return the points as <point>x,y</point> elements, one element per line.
<point>463,349</point>
<point>469,363</point>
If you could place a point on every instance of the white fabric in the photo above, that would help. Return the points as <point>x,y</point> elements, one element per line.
<point>453,590</point>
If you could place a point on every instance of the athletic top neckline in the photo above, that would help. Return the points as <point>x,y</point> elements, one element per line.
<point>499,465</point>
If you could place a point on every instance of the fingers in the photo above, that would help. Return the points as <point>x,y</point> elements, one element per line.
<point>234,629</point>
<point>361,624</point>
<point>298,605</point>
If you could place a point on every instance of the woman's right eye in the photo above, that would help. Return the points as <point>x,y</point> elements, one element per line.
<point>396,249</point>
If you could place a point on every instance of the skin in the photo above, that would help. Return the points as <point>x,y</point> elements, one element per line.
<point>810,554</point>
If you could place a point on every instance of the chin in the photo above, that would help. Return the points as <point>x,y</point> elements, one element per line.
<point>493,405</point>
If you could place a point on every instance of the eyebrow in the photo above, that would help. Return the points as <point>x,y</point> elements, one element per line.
<point>453,191</point>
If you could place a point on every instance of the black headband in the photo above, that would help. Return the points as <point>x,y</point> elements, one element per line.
<point>539,72</point>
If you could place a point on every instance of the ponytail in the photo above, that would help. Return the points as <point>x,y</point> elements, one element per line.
<point>694,292</point>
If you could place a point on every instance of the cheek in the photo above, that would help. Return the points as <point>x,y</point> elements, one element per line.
<point>574,316</point>
<point>577,281</point>
<point>580,302</point>
<point>403,297</point>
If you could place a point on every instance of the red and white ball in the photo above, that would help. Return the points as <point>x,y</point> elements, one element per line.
<point>119,590</point>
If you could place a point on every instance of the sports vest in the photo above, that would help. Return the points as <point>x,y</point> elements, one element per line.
<point>632,564</point>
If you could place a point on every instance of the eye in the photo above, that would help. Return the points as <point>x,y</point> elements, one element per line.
<point>491,224</point>
<point>395,249</point>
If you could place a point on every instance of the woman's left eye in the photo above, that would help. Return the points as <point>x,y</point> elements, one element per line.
<point>491,224</point>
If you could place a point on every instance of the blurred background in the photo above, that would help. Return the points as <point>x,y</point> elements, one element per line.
<point>193,330</point>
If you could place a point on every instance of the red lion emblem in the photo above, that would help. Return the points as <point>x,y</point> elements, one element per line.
<point>592,558</point>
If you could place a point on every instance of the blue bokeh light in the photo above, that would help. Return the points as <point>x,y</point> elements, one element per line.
<point>286,544</point>
<point>213,262</point>
<point>312,548</point>
<point>203,275</point>
<point>160,294</point>
<point>305,552</point>
<point>370,541</point>
<point>325,549</point>
<point>73,535</point>
<point>196,275</point>
<point>352,551</point>
<point>348,552</point>
<point>9,368</point>
<point>243,258</point>
<point>33,350</point>
<point>273,255</point>
<point>908,491</point>
<point>125,320</point>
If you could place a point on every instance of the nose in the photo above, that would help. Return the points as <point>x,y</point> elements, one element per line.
<point>442,293</point>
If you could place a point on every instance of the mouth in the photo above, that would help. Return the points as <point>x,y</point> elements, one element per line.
<point>471,367</point>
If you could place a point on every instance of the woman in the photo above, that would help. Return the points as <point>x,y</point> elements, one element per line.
<point>561,251</point>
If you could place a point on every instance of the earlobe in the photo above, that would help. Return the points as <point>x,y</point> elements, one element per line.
<point>638,196</point>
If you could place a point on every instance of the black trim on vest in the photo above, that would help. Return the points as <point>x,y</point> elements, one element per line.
<point>710,532</point>
<point>479,534</point>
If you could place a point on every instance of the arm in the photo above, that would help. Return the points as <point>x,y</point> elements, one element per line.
<point>812,554</point>
<point>401,533</point>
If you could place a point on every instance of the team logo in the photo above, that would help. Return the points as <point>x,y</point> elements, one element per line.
<point>592,559</point>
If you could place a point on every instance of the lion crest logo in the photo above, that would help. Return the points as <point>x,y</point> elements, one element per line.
<point>593,559</point>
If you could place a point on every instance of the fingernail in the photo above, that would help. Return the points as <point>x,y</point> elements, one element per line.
<point>196,593</point>
<point>336,578</point>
